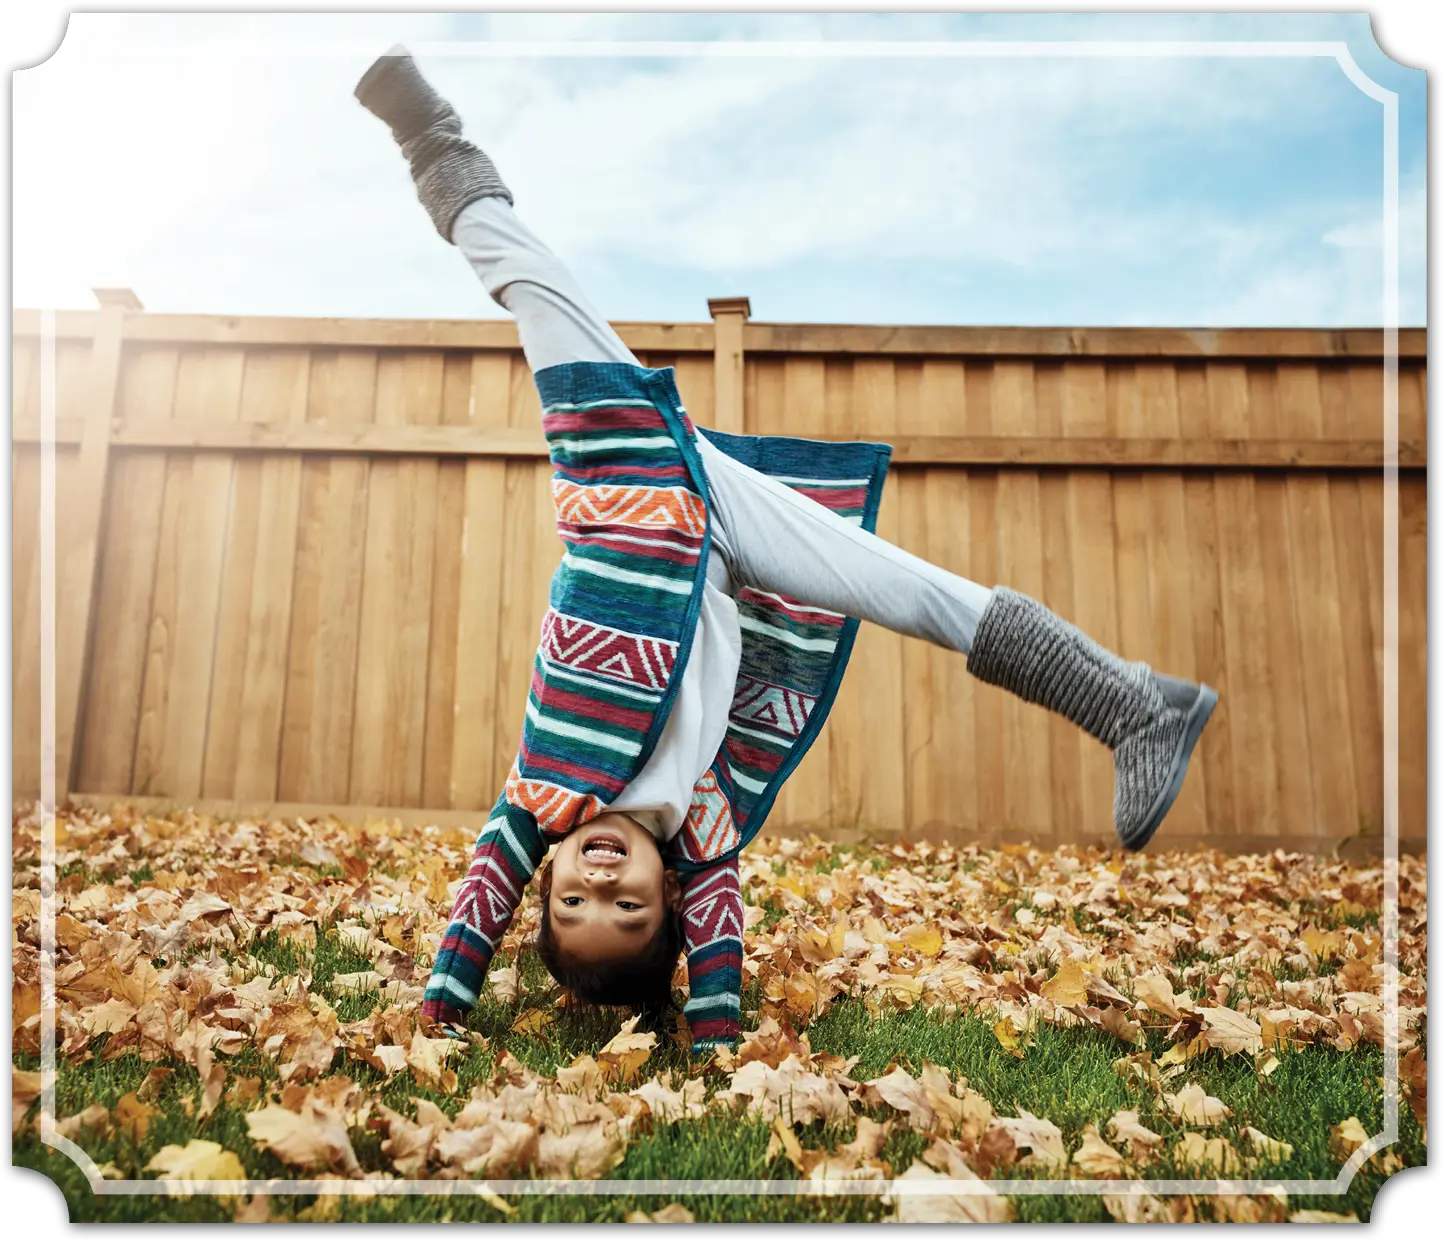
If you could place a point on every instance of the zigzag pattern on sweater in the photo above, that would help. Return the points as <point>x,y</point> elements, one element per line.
<point>712,928</point>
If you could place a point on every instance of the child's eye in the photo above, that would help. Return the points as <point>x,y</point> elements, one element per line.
<point>628,905</point>
<point>571,900</point>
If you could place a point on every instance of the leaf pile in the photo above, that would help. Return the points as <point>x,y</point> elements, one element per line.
<point>275,970</point>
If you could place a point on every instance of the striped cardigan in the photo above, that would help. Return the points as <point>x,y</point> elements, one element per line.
<point>631,504</point>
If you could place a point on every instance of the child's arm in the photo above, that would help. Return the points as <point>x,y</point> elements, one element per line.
<point>506,857</point>
<point>712,922</point>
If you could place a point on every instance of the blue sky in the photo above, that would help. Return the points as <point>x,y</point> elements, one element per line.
<point>218,163</point>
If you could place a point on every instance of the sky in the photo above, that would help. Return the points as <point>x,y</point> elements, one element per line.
<point>218,163</point>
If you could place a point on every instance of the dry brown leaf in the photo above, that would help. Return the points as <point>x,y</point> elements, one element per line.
<point>1009,1037</point>
<point>625,1053</point>
<point>533,1021</point>
<point>95,1118</point>
<point>669,1105</point>
<point>1193,1106</point>
<point>1268,1148</point>
<point>197,1160</point>
<point>1095,1157</point>
<point>672,1213</point>
<point>314,1138</point>
<point>1137,1138</point>
<point>1213,1155</point>
<point>1068,986</point>
<point>1041,1138</point>
<point>1322,1217</point>
<point>1157,993</point>
<point>504,982</point>
<point>1231,1032</point>
<point>981,1206</point>
<point>253,1210</point>
<point>427,1058</point>
<point>1347,1137</point>
<point>24,1090</point>
<point>132,1117</point>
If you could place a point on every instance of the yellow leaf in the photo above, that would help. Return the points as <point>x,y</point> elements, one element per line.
<point>1008,1035</point>
<point>924,939</point>
<point>197,1160</point>
<point>533,1021</point>
<point>1212,1154</point>
<point>626,1052</point>
<point>1194,1107</point>
<point>1346,1138</point>
<point>1068,986</point>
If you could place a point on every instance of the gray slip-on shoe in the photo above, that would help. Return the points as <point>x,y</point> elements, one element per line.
<point>1150,722</point>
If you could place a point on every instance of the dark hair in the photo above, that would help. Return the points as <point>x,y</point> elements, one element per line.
<point>642,982</point>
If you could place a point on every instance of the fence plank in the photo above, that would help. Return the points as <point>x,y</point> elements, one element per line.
<point>326,598</point>
<point>1413,659</point>
<point>388,726</point>
<point>869,758</point>
<point>478,743</point>
<point>283,385</point>
<point>127,583</point>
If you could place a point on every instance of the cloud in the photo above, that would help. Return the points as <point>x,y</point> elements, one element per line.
<point>241,177</point>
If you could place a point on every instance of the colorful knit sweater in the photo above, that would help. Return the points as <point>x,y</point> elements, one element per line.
<point>630,493</point>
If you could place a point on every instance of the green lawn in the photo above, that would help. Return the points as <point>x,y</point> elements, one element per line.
<point>1065,1073</point>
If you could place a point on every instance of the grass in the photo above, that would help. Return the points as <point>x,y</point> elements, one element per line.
<point>1065,1075</point>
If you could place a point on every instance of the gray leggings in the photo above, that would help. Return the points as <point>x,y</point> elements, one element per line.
<point>768,535</point>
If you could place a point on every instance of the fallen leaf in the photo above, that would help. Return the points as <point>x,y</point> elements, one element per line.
<point>672,1213</point>
<point>1347,1137</point>
<point>985,1206</point>
<point>1068,986</point>
<point>1212,1154</point>
<point>132,1117</point>
<point>1095,1157</point>
<point>314,1138</point>
<point>504,982</point>
<point>1322,1217</point>
<point>427,1058</point>
<point>625,1053</point>
<point>1042,1138</point>
<point>1194,1107</point>
<point>1230,1032</point>
<point>533,1021</point>
<point>24,1090</point>
<point>253,1210</point>
<point>1140,1141</point>
<point>1268,1148</point>
<point>197,1160</point>
<point>1009,1037</point>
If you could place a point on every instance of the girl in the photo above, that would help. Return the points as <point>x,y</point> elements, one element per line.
<point>698,628</point>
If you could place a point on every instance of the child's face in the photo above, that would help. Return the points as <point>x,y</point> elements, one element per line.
<point>609,890</point>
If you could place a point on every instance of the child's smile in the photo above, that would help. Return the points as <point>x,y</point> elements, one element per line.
<point>609,890</point>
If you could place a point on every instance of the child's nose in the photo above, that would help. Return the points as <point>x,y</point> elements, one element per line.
<point>602,878</point>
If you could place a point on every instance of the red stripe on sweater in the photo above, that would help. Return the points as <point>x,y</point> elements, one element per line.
<point>604,418</point>
<point>550,694</point>
<point>751,756</point>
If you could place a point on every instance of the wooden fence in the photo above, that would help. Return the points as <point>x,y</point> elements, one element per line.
<point>302,561</point>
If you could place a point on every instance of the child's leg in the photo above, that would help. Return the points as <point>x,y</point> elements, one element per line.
<point>472,208</point>
<point>554,319</point>
<point>783,542</point>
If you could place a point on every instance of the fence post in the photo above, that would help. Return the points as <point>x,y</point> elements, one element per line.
<point>79,535</point>
<point>729,314</point>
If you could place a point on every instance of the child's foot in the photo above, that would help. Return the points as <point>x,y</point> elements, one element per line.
<point>1150,722</point>
<point>1149,764</point>
<point>394,90</point>
<point>450,172</point>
